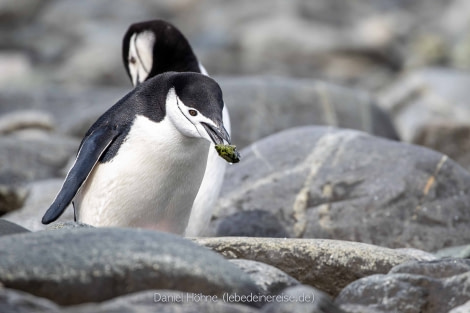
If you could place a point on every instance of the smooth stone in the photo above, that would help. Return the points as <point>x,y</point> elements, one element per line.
<point>164,301</point>
<point>269,279</point>
<point>435,269</point>
<point>41,195</point>
<point>22,119</point>
<point>405,293</point>
<point>12,197</point>
<point>263,105</point>
<point>255,223</point>
<point>16,301</point>
<point>302,299</point>
<point>464,308</point>
<point>430,107</point>
<point>454,252</point>
<point>23,160</point>
<point>73,266</point>
<point>343,184</point>
<point>328,265</point>
<point>9,228</point>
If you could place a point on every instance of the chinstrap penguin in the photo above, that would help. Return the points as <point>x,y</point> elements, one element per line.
<point>153,47</point>
<point>142,162</point>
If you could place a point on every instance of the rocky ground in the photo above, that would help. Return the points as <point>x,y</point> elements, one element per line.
<point>353,194</point>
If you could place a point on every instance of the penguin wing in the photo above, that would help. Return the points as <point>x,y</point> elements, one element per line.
<point>91,149</point>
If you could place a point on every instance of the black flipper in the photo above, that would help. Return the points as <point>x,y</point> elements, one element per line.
<point>93,146</point>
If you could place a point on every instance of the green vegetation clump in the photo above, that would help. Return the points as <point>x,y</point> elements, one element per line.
<point>228,152</point>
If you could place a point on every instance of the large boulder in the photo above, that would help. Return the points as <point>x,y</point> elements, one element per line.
<point>16,301</point>
<point>71,266</point>
<point>269,279</point>
<point>430,108</point>
<point>421,287</point>
<point>158,301</point>
<point>41,194</point>
<point>9,228</point>
<point>26,156</point>
<point>341,184</point>
<point>328,265</point>
<point>23,160</point>
<point>261,106</point>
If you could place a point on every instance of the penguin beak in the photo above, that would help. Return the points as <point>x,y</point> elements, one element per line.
<point>217,134</point>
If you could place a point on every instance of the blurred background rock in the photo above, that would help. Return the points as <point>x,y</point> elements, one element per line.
<point>356,43</point>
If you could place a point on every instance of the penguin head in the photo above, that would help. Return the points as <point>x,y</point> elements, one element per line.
<point>154,47</point>
<point>194,106</point>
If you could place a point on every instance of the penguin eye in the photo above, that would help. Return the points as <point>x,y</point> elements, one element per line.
<point>192,112</point>
<point>132,60</point>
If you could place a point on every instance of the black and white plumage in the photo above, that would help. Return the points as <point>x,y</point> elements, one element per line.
<point>142,162</point>
<point>154,47</point>
<point>150,48</point>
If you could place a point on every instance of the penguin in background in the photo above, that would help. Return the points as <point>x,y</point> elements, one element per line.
<point>142,162</point>
<point>153,47</point>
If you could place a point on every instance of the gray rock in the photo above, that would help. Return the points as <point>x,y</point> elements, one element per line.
<point>41,195</point>
<point>255,223</point>
<point>435,269</point>
<point>343,184</point>
<point>356,43</point>
<point>464,308</point>
<point>454,252</point>
<point>12,197</point>
<point>26,159</point>
<point>302,299</point>
<point>18,66</point>
<point>92,45</point>
<point>405,293</point>
<point>9,228</point>
<point>418,254</point>
<point>158,301</point>
<point>430,107</point>
<point>13,12</point>
<point>22,119</point>
<point>261,106</point>
<point>72,266</point>
<point>67,225</point>
<point>352,42</point>
<point>73,110</point>
<point>15,301</point>
<point>328,265</point>
<point>269,279</point>
<point>447,136</point>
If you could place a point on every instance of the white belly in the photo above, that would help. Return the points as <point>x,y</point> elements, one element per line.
<point>151,182</point>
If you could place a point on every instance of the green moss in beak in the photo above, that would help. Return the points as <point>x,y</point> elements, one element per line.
<point>228,153</point>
